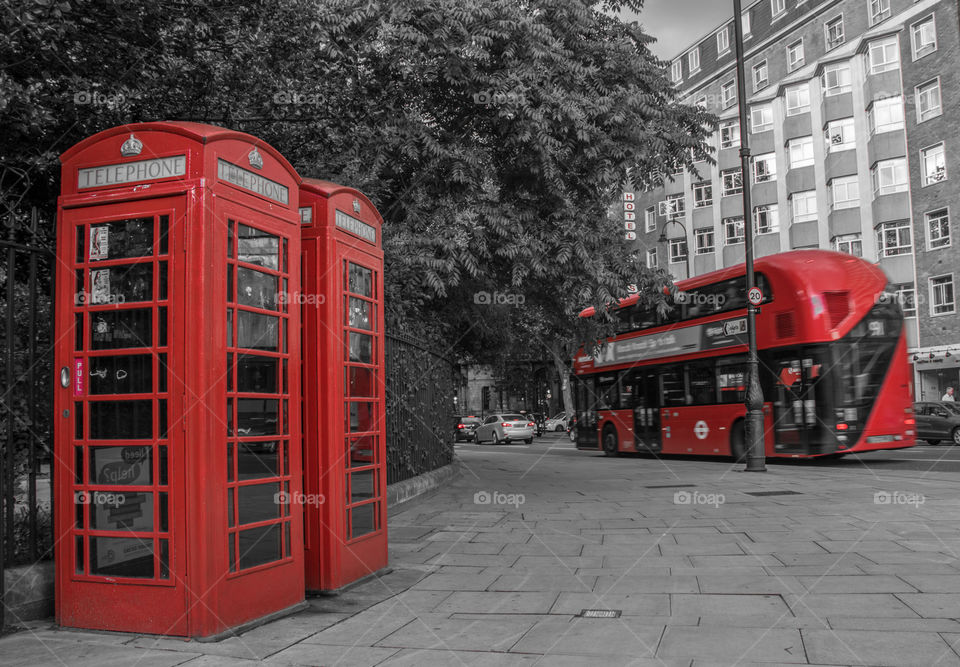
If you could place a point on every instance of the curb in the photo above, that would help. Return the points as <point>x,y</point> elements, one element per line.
<point>405,491</point>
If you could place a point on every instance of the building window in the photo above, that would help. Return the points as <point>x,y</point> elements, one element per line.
<point>845,192</point>
<point>701,102</point>
<point>942,298</point>
<point>673,207</point>
<point>893,238</point>
<point>732,182</point>
<point>879,11</point>
<point>733,230</point>
<point>728,94</point>
<point>852,244</point>
<point>760,72</point>
<point>723,41</point>
<point>798,99</point>
<point>883,55</point>
<point>934,164</point>
<point>928,100</point>
<point>745,23</point>
<point>693,60</point>
<point>676,72</point>
<point>702,194</point>
<point>704,241</point>
<point>729,134</point>
<point>833,29</point>
<point>800,152</point>
<point>938,229</point>
<point>795,55</point>
<point>886,115</point>
<point>836,79</point>
<point>923,37</point>
<point>890,176</point>
<point>650,220</point>
<point>906,297</point>
<point>803,206</point>
<point>765,219</point>
<point>765,168</point>
<point>840,135</point>
<point>761,118</point>
<point>652,260</point>
<point>777,7</point>
<point>678,251</point>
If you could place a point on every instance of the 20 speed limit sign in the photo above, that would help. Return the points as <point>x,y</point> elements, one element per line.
<point>755,296</point>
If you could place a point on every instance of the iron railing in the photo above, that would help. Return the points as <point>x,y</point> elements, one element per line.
<point>26,400</point>
<point>421,385</point>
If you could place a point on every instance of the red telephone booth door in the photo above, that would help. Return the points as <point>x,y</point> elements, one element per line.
<point>126,455</point>
<point>363,406</point>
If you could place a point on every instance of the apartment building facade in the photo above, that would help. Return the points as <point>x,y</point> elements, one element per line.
<point>854,134</point>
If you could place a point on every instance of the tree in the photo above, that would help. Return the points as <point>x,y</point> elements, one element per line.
<point>493,135</point>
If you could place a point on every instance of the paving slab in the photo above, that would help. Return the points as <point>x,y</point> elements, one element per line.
<point>591,637</point>
<point>496,634</point>
<point>743,605</point>
<point>501,603</point>
<point>631,604</point>
<point>882,648</point>
<point>733,644</point>
<point>342,656</point>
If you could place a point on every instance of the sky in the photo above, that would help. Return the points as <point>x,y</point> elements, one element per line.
<point>677,23</point>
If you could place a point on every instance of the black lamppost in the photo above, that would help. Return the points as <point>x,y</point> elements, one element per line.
<point>663,239</point>
<point>756,457</point>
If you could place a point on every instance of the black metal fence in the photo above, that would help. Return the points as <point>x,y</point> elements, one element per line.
<point>26,400</point>
<point>420,414</point>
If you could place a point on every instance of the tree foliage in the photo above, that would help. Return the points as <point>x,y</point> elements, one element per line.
<point>493,135</point>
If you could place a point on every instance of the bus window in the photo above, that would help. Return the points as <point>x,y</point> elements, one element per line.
<point>625,385</point>
<point>701,384</point>
<point>732,382</point>
<point>608,392</point>
<point>672,387</point>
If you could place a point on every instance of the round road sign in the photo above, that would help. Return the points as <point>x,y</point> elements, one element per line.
<point>755,296</point>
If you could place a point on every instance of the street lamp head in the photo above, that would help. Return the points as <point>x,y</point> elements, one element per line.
<point>663,236</point>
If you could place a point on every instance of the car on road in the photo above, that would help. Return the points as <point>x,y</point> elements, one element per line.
<point>558,423</point>
<point>936,421</point>
<point>466,426</point>
<point>504,428</point>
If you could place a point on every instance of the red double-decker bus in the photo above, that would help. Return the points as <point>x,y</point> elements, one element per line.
<point>833,365</point>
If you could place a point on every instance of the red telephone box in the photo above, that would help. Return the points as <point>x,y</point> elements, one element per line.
<point>343,386</point>
<point>178,428</point>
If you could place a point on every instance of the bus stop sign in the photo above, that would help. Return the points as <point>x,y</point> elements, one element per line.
<point>755,296</point>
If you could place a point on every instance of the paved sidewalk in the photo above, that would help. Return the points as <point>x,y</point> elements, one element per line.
<point>832,567</point>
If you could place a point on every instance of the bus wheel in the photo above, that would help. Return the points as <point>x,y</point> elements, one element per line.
<point>738,442</point>
<point>610,441</point>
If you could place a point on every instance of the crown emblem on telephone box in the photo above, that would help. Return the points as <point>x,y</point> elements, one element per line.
<point>131,147</point>
<point>256,160</point>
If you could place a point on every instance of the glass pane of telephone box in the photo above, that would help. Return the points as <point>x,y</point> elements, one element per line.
<point>121,284</point>
<point>361,450</point>
<point>121,238</point>
<point>258,247</point>
<point>361,280</point>
<point>117,329</point>
<point>258,332</point>
<point>361,417</point>
<point>121,510</point>
<point>128,374</point>
<point>120,420</point>
<point>258,459</point>
<point>257,416</point>
<point>258,502</point>
<point>121,466</point>
<point>256,374</point>
<point>362,520</point>
<point>259,545</point>
<point>359,381</point>
<point>256,289</point>
<point>121,557</point>
<point>359,313</point>
<point>362,486</point>
<point>361,348</point>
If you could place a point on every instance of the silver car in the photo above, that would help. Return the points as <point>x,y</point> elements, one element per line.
<point>558,423</point>
<point>504,428</point>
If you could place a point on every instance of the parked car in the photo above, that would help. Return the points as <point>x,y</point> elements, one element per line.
<point>558,423</point>
<point>466,426</point>
<point>936,421</point>
<point>505,428</point>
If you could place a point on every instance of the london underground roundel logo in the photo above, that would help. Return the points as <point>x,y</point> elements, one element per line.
<point>701,430</point>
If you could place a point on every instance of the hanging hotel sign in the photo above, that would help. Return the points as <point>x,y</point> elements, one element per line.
<point>355,226</point>
<point>687,340</point>
<point>132,172</point>
<point>246,179</point>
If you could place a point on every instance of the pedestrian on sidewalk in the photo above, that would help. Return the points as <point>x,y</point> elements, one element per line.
<point>948,396</point>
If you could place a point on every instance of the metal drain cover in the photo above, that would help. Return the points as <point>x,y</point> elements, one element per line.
<point>773,493</point>
<point>600,613</point>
